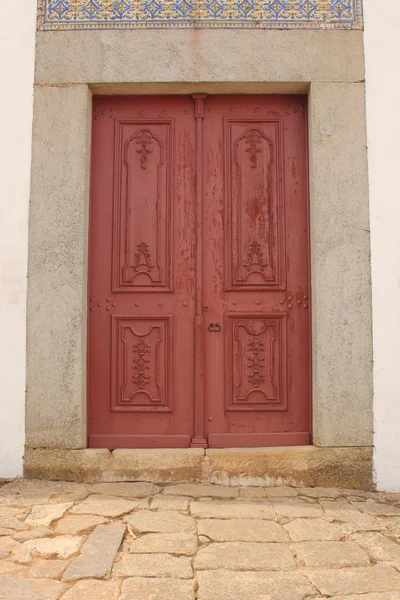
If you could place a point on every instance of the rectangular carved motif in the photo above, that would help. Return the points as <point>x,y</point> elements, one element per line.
<point>142,213</point>
<point>256,362</point>
<point>141,363</point>
<point>254,205</point>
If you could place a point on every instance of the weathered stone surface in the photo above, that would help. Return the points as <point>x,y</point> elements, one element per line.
<point>170,543</point>
<point>383,596</point>
<point>359,580</point>
<point>5,531</point>
<point>295,507</point>
<point>7,545</point>
<point>390,524</point>
<point>11,522</point>
<point>351,519</point>
<point>217,509</point>
<point>153,565</point>
<point>319,492</point>
<point>223,585</point>
<point>11,568</point>
<point>45,514</point>
<point>78,524</point>
<point>201,490</point>
<point>25,492</point>
<point>252,492</point>
<point>74,492</point>
<point>154,522</point>
<point>98,553</point>
<point>93,590</point>
<point>62,546</point>
<point>126,490</point>
<point>104,506</point>
<point>280,492</point>
<point>50,569</point>
<point>170,503</point>
<point>87,464</point>
<point>32,534</point>
<point>376,508</point>
<point>245,556</point>
<point>157,465</point>
<point>157,589</point>
<point>331,554</point>
<point>15,588</point>
<point>303,530</point>
<point>242,530</point>
<point>379,547</point>
<point>11,511</point>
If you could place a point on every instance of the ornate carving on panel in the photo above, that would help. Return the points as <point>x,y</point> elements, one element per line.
<point>142,253</point>
<point>141,363</point>
<point>254,252</point>
<point>256,362</point>
<point>253,139</point>
<point>145,139</point>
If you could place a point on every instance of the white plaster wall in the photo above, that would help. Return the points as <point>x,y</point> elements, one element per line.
<point>17,42</point>
<point>382,52</point>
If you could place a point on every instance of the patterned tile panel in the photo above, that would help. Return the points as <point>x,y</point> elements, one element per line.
<point>257,14</point>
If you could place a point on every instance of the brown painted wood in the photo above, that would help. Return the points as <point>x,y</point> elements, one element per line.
<point>199,319</point>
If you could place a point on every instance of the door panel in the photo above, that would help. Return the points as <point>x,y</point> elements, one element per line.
<point>256,279</point>
<point>141,273</point>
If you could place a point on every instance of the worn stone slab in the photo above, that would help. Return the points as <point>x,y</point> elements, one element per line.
<point>87,464</point>
<point>49,569</point>
<point>169,543</point>
<point>319,492</point>
<point>201,490</point>
<point>11,511</point>
<point>93,590</point>
<point>245,556</point>
<point>11,568</point>
<point>160,502</point>
<point>218,509</point>
<point>74,492</point>
<point>105,506</point>
<point>139,489</point>
<point>351,519</point>
<point>32,534</point>
<point>61,546</point>
<point>331,554</point>
<point>242,530</point>
<point>45,514</point>
<point>16,588</point>
<point>359,580</point>
<point>11,522</point>
<point>379,547</point>
<point>280,492</point>
<point>78,524</point>
<point>29,492</point>
<point>157,522</point>
<point>252,492</point>
<point>157,589</point>
<point>303,530</point>
<point>295,507</point>
<point>225,585</point>
<point>153,565</point>
<point>98,553</point>
<point>376,508</point>
<point>383,596</point>
<point>7,545</point>
<point>391,524</point>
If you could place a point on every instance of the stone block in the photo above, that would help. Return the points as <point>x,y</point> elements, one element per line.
<point>242,530</point>
<point>93,590</point>
<point>153,565</point>
<point>16,588</point>
<point>295,507</point>
<point>45,514</point>
<point>138,489</point>
<point>78,524</point>
<point>330,554</point>
<point>154,522</point>
<point>65,465</point>
<point>245,556</point>
<point>143,588</point>
<point>302,530</point>
<point>379,547</point>
<point>161,502</point>
<point>218,509</point>
<point>105,506</point>
<point>166,543</point>
<point>361,580</point>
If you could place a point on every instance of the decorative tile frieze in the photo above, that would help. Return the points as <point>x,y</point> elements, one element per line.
<point>162,14</point>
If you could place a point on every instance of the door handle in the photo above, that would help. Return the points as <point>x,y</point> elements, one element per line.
<point>214,327</point>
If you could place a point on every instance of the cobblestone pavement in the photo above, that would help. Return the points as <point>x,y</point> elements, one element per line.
<point>139,541</point>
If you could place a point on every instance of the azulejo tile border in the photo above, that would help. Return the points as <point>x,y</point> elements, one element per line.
<point>162,14</point>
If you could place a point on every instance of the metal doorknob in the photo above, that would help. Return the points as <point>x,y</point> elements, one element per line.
<point>214,327</point>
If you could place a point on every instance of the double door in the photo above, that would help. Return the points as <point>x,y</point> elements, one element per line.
<point>199,312</point>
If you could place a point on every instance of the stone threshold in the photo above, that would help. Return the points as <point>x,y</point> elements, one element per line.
<point>261,467</point>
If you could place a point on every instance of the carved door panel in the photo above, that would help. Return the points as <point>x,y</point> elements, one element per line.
<point>256,272</point>
<point>141,284</point>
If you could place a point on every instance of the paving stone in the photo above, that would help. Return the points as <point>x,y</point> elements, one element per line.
<point>78,524</point>
<point>30,492</point>
<point>170,503</point>
<point>50,569</point>
<point>376,508</point>
<point>242,530</point>
<point>245,556</point>
<point>303,530</point>
<point>7,545</point>
<point>45,514</point>
<point>143,588</point>
<point>351,518</point>
<point>201,490</point>
<point>11,511</point>
<point>74,492</point>
<point>319,492</point>
<point>62,546</point>
<point>98,553</point>
<point>147,521</point>
<point>280,492</point>
<point>104,506</point>
<point>391,524</point>
<point>331,554</point>
<point>295,507</point>
<point>4,531</point>
<point>153,565</point>
<point>125,489</point>
<point>383,596</point>
<point>10,522</point>
<point>252,492</point>
<point>359,580</point>
<point>378,546</point>
<point>93,590</point>
<point>16,588</point>
<point>219,509</point>
<point>32,534</point>
<point>11,568</point>
<point>225,585</point>
<point>169,543</point>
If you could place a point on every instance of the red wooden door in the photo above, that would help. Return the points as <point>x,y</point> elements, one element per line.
<point>199,272</point>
